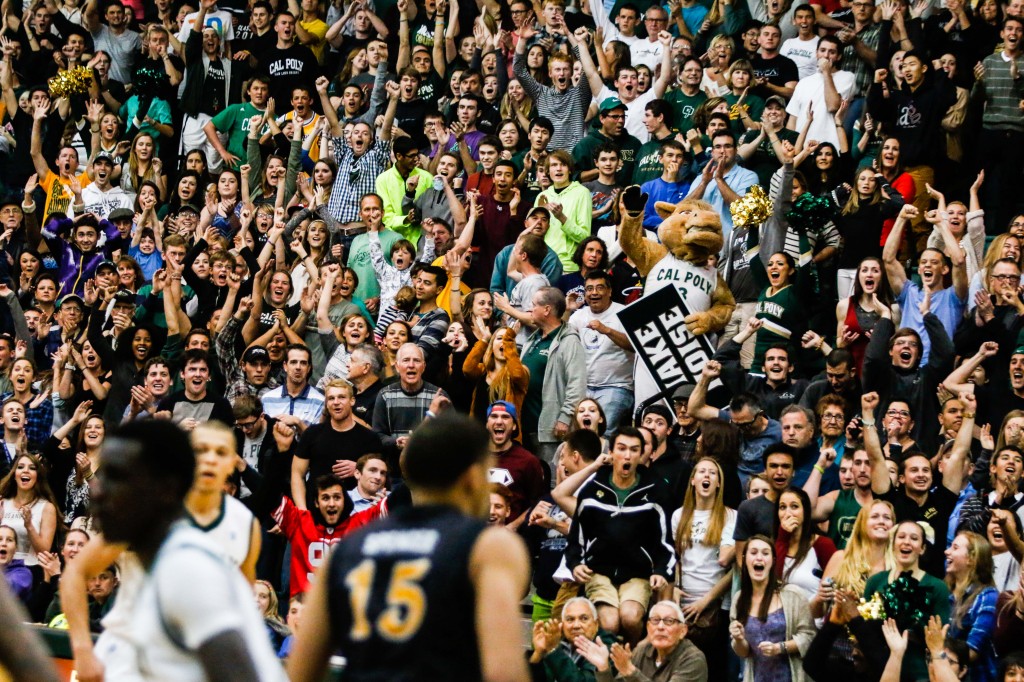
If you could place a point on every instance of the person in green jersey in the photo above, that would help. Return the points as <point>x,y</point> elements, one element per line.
<point>233,122</point>
<point>688,96</point>
<point>657,117</point>
<point>786,284</point>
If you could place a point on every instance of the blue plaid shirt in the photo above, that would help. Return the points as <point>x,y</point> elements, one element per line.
<point>355,177</point>
<point>38,421</point>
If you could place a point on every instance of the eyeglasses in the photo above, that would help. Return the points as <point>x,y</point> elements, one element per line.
<point>748,424</point>
<point>1007,278</point>
<point>903,414</point>
<point>616,117</point>
<point>832,418</point>
<point>517,12</point>
<point>595,287</point>
<point>246,425</point>
<point>656,20</point>
<point>656,620</point>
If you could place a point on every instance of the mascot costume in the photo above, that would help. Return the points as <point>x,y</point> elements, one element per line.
<point>690,233</point>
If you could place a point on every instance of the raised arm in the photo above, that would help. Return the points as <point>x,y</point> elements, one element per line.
<point>890,254</point>
<point>404,48</point>
<point>880,482</point>
<point>697,405</point>
<point>961,282</point>
<point>665,75</point>
<point>957,381</point>
<point>589,69</point>
<point>36,145</point>
<point>393,90</point>
<point>953,469</point>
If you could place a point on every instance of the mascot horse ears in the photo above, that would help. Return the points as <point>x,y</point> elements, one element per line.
<point>664,209</point>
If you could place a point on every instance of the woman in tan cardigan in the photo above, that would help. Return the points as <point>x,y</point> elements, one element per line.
<point>771,625</point>
<point>494,365</point>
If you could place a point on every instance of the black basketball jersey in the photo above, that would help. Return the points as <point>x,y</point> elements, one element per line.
<point>401,603</point>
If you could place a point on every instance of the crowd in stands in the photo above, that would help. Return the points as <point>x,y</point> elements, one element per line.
<point>299,229</point>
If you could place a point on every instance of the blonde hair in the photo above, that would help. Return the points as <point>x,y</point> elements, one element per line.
<point>980,554</point>
<point>338,382</point>
<point>855,567</point>
<point>273,604</point>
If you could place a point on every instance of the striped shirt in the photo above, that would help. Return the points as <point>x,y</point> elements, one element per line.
<point>566,110</point>
<point>307,406</point>
<point>396,412</point>
<point>1002,94</point>
<point>356,177</point>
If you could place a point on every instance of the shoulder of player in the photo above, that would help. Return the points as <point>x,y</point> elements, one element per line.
<point>498,548</point>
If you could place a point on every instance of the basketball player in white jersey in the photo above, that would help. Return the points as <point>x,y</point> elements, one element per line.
<point>193,617</point>
<point>223,518</point>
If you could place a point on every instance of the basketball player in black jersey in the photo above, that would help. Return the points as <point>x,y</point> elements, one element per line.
<point>431,592</point>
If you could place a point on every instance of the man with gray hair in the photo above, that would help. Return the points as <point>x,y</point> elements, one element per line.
<point>798,432</point>
<point>366,364</point>
<point>558,375</point>
<point>665,654</point>
<point>402,406</point>
<point>558,645</point>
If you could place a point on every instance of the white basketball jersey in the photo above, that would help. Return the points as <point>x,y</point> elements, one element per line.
<point>232,530</point>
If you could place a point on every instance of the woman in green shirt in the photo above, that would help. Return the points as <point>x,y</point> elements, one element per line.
<point>909,595</point>
<point>745,108</point>
<point>787,288</point>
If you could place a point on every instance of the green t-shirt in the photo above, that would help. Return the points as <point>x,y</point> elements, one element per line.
<point>536,360</point>
<point>359,260</point>
<point>234,121</point>
<point>648,163</point>
<point>752,103</point>
<point>684,105</point>
<point>622,493</point>
<point>764,162</point>
<point>914,665</point>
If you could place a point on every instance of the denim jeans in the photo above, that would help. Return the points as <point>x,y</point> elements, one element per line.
<point>616,403</point>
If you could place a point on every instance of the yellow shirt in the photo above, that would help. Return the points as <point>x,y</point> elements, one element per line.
<point>59,196</point>
<point>318,29</point>
<point>307,130</point>
<point>444,297</point>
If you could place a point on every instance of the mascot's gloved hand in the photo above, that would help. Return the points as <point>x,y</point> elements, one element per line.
<point>634,200</point>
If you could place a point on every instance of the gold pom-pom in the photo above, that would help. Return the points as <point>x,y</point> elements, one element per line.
<point>872,610</point>
<point>71,82</point>
<point>752,209</point>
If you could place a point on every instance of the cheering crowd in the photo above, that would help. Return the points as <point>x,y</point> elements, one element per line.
<point>299,230</point>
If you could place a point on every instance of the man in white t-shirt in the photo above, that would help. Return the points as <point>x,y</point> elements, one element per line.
<point>650,50</point>
<point>194,617</point>
<point>823,93</point>
<point>527,256</point>
<point>217,19</point>
<point>626,21</point>
<point>803,48</point>
<point>608,350</point>
<point>627,88</point>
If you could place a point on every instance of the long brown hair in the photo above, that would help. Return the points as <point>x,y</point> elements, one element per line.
<point>747,585</point>
<point>9,486</point>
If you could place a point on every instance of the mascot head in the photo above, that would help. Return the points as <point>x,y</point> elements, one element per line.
<point>691,230</point>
